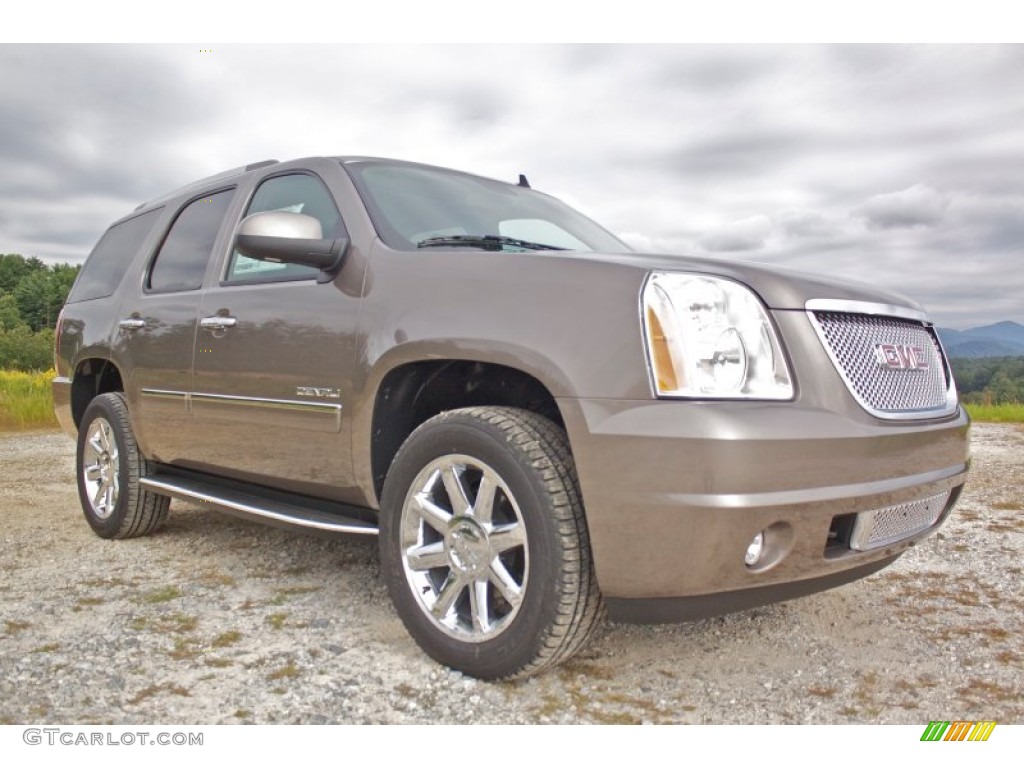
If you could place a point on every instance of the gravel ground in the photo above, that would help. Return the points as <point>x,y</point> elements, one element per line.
<point>215,620</point>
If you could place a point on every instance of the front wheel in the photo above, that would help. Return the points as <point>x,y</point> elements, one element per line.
<point>484,544</point>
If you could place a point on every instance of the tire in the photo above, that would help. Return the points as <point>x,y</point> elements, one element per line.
<point>109,467</point>
<point>484,544</point>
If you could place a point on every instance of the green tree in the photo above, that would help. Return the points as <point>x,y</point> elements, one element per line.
<point>10,317</point>
<point>12,269</point>
<point>41,293</point>
<point>990,380</point>
<point>1006,389</point>
<point>23,350</point>
<point>33,297</point>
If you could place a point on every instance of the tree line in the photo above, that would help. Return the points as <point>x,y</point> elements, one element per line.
<point>989,380</point>
<point>31,296</point>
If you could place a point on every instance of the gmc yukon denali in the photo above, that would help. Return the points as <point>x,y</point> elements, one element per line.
<point>539,425</point>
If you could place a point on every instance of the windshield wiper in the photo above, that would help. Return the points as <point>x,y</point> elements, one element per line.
<point>487,242</point>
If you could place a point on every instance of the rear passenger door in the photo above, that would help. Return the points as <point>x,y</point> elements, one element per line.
<point>155,331</point>
<point>274,357</point>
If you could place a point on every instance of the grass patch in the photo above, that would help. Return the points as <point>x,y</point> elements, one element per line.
<point>14,627</point>
<point>152,690</point>
<point>1008,505</point>
<point>214,578</point>
<point>983,635</point>
<point>26,400</point>
<point>225,639</point>
<point>288,671</point>
<point>85,602</point>
<point>823,692</point>
<point>988,692</point>
<point>177,622</point>
<point>114,581</point>
<point>287,593</point>
<point>277,620</point>
<point>1007,413</point>
<point>999,526</point>
<point>185,649</point>
<point>162,595</point>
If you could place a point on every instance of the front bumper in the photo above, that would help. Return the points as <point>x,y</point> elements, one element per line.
<point>675,491</point>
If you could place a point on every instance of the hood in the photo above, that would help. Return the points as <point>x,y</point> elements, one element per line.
<point>778,287</point>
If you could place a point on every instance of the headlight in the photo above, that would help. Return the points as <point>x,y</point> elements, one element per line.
<point>708,337</point>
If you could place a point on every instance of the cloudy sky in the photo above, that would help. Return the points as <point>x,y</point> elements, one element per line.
<point>898,165</point>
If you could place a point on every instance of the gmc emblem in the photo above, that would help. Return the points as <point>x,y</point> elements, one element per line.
<point>903,357</point>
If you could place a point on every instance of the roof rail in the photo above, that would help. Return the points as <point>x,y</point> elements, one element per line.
<point>223,176</point>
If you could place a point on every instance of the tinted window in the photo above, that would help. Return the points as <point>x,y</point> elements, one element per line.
<point>183,257</point>
<point>297,193</point>
<point>112,256</point>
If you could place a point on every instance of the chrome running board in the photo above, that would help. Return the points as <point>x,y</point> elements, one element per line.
<point>251,506</point>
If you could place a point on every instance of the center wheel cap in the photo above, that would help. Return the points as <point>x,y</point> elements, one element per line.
<point>467,547</point>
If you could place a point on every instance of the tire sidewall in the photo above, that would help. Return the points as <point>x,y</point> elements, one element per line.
<point>517,645</point>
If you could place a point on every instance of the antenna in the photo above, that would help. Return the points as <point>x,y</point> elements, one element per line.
<point>523,182</point>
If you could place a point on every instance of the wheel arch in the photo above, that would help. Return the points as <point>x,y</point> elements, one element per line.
<point>93,376</point>
<point>413,392</point>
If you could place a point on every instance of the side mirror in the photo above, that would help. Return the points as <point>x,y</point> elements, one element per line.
<point>289,238</point>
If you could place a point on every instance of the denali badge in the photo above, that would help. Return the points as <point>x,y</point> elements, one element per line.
<point>330,392</point>
<point>901,357</point>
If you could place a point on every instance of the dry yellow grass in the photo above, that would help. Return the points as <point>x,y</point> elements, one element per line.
<point>26,401</point>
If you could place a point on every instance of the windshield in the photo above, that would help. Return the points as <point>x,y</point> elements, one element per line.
<point>416,207</point>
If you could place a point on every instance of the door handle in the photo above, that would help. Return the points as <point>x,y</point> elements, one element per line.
<point>218,323</point>
<point>131,324</point>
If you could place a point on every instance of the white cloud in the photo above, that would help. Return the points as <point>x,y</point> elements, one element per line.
<point>744,235</point>
<point>802,223</point>
<point>919,205</point>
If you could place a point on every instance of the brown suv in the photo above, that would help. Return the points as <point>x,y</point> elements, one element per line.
<point>538,423</point>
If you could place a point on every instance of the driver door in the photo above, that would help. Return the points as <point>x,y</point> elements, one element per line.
<point>273,361</point>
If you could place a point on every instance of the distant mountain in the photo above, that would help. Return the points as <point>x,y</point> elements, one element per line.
<point>1005,339</point>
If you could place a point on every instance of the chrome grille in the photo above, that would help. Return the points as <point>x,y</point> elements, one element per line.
<point>853,341</point>
<point>889,524</point>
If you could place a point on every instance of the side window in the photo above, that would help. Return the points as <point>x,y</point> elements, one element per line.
<point>296,193</point>
<point>181,262</point>
<point>112,256</point>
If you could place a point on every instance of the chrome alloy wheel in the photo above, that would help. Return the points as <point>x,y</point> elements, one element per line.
<point>101,468</point>
<point>464,549</point>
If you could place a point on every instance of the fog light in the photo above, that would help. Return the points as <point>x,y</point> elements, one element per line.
<point>754,549</point>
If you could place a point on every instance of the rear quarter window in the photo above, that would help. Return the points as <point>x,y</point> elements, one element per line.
<point>113,254</point>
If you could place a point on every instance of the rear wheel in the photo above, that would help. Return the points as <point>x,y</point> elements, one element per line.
<point>484,544</point>
<point>109,468</point>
